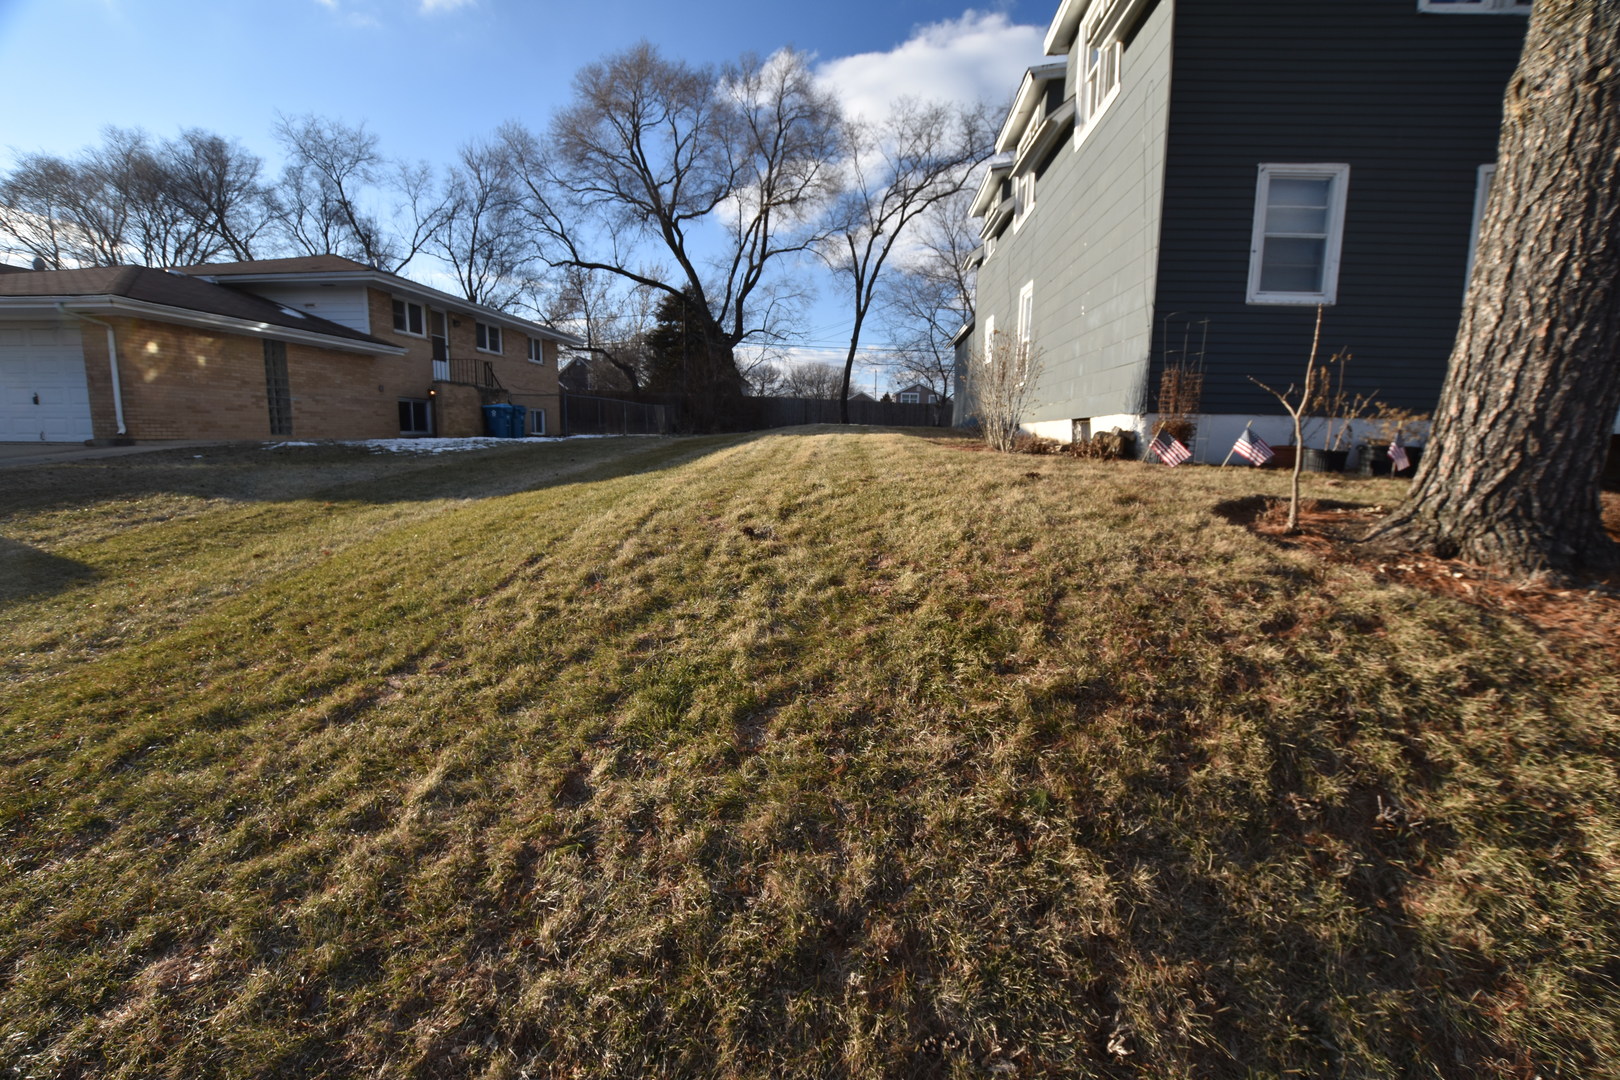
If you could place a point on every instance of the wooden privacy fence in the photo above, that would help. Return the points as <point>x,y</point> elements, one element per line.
<point>775,412</point>
<point>585,414</point>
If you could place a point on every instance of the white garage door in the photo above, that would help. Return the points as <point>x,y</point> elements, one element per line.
<point>43,396</point>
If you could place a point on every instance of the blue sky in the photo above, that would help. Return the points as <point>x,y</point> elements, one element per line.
<point>428,75</point>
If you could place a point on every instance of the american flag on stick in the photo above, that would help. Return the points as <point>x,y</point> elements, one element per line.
<point>1397,457</point>
<point>1169,449</point>
<point>1253,447</point>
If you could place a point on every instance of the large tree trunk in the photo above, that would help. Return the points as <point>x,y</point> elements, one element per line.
<point>1512,473</point>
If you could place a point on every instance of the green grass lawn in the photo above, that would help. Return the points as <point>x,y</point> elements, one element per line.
<point>799,754</point>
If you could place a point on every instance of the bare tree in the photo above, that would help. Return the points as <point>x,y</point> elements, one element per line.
<point>339,195</point>
<point>613,318</point>
<point>484,236</point>
<point>130,199</point>
<point>812,380</point>
<point>656,155</point>
<point>1512,473</point>
<point>1002,387</point>
<point>930,297</point>
<point>918,157</point>
<point>220,184</point>
<point>39,216</point>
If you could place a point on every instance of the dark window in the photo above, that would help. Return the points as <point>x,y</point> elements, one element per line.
<point>407,317</point>
<point>489,337</point>
<point>415,418</point>
<point>277,389</point>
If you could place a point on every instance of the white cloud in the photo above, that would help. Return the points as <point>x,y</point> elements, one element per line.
<point>434,7</point>
<point>977,57</point>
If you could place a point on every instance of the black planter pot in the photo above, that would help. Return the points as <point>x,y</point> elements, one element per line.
<point>1315,460</point>
<point>1375,460</point>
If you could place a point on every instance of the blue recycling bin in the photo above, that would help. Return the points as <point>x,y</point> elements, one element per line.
<point>520,421</point>
<point>498,421</point>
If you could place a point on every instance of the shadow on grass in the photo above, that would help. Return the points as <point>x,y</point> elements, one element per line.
<point>344,473</point>
<point>27,571</point>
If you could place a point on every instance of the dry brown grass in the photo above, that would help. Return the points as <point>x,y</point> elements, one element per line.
<point>822,754</point>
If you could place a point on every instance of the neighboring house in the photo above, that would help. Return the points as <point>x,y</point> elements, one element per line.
<point>916,394</point>
<point>317,347</point>
<point>1189,180</point>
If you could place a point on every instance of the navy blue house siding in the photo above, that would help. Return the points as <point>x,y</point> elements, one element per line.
<point>1411,101</point>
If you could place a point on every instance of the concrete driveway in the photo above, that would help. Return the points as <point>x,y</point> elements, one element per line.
<point>18,454</point>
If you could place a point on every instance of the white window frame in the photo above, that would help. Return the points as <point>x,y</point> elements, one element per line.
<point>1101,66</point>
<point>989,338</point>
<point>910,397</point>
<point>1023,197</point>
<point>537,351</point>
<point>537,421</point>
<point>403,310</point>
<point>1339,174</point>
<point>1476,7</point>
<point>1026,314</point>
<point>485,333</point>
<point>1483,178</point>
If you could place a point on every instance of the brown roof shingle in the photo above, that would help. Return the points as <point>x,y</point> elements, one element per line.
<point>170,290</point>
<point>302,264</point>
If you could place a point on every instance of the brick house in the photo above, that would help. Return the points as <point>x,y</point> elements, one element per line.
<point>317,347</point>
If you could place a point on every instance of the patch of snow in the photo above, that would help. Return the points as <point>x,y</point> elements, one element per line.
<point>450,446</point>
<point>292,312</point>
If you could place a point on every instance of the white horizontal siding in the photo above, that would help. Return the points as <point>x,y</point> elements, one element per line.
<point>345,306</point>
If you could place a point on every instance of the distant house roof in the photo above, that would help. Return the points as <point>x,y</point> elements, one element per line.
<point>335,269</point>
<point>6,269</point>
<point>143,292</point>
<point>302,264</point>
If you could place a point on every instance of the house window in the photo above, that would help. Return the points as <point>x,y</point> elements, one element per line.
<point>537,421</point>
<point>537,351</point>
<point>415,417</point>
<point>1483,178</point>
<point>1476,7</point>
<point>989,338</point>
<point>489,337</point>
<point>1024,196</point>
<point>910,397</point>
<point>1026,314</point>
<point>1101,53</point>
<point>1298,231</point>
<point>1102,76</point>
<point>408,318</point>
<point>277,390</point>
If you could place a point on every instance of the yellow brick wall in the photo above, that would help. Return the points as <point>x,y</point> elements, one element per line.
<point>532,385</point>
<point>183,382</point>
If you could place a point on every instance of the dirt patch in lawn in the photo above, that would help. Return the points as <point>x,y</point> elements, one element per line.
<point>1333,529</point>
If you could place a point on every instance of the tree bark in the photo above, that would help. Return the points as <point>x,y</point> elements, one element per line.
<point>1512,474</point>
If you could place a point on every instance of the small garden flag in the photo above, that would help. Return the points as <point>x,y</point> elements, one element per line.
<point>1169,449</point>
<point>1398,458</point>
<point>1253,447</point>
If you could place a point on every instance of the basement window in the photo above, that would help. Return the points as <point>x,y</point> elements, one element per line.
<point>415,416</point>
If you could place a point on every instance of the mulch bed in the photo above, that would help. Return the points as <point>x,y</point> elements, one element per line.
<point>1332,530</point>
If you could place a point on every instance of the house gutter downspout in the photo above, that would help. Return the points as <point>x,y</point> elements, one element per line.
<point>112,363</point>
